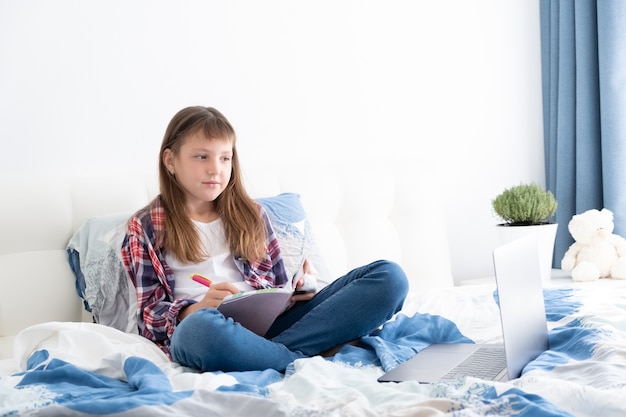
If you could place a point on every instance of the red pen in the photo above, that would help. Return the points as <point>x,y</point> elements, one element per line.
<point>201,280</point>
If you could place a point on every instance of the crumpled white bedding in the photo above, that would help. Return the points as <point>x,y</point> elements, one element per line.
<point>583,373</point>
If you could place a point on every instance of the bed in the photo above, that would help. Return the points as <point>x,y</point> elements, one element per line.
<point>55,360</point>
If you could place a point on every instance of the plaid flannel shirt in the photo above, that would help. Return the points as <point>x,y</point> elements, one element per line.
<point>157,310</point>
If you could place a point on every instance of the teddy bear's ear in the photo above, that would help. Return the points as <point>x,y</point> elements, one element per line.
<point>607,213</point>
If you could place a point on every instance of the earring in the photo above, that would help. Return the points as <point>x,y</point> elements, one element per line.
<point>171,172</point>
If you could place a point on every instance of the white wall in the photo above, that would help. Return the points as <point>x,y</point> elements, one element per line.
<point>89,86</point>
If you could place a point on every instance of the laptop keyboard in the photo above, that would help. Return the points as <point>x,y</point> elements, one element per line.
<point>485,363</point>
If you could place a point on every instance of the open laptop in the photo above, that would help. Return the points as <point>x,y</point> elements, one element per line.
<point>523,319</point>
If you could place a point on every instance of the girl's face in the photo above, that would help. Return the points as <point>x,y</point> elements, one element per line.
<point>202,168</point>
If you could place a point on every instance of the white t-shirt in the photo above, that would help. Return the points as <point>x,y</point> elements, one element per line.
<point>220,265</point>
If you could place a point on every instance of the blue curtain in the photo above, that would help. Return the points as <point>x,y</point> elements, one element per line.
<point>583,48</point>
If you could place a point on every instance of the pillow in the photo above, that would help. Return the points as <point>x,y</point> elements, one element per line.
<point>106,289</point>
<point>293,231</point>
<point>102,282</point>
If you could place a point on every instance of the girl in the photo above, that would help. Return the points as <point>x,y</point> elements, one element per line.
<point>203,221</point>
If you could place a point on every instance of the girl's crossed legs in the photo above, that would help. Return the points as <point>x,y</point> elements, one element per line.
<point>348,308</point>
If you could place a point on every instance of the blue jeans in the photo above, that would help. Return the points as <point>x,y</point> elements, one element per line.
<point>348,308</point>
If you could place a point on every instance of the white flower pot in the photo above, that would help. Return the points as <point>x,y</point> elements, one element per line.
<point>546,235</point>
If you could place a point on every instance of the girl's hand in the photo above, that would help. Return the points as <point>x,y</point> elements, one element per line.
<point>213,298</point>
<point>299,294</point>
<point>217,292</point>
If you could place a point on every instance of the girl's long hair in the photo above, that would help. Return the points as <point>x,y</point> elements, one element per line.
<point>244,226</point>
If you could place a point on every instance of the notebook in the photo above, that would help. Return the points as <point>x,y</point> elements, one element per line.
<point>256,310</point>
<point>523,320</point>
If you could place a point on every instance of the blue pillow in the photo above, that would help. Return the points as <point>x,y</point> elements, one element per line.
<point>285,207</point>
<point>293,231</point>
<point>291,228</point>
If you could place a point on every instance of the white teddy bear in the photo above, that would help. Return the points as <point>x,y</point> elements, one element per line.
<point>596,252</point>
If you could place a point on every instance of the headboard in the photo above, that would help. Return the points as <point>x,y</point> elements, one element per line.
<point>359,212</point>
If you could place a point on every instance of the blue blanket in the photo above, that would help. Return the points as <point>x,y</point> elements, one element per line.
<point>126,380</point>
